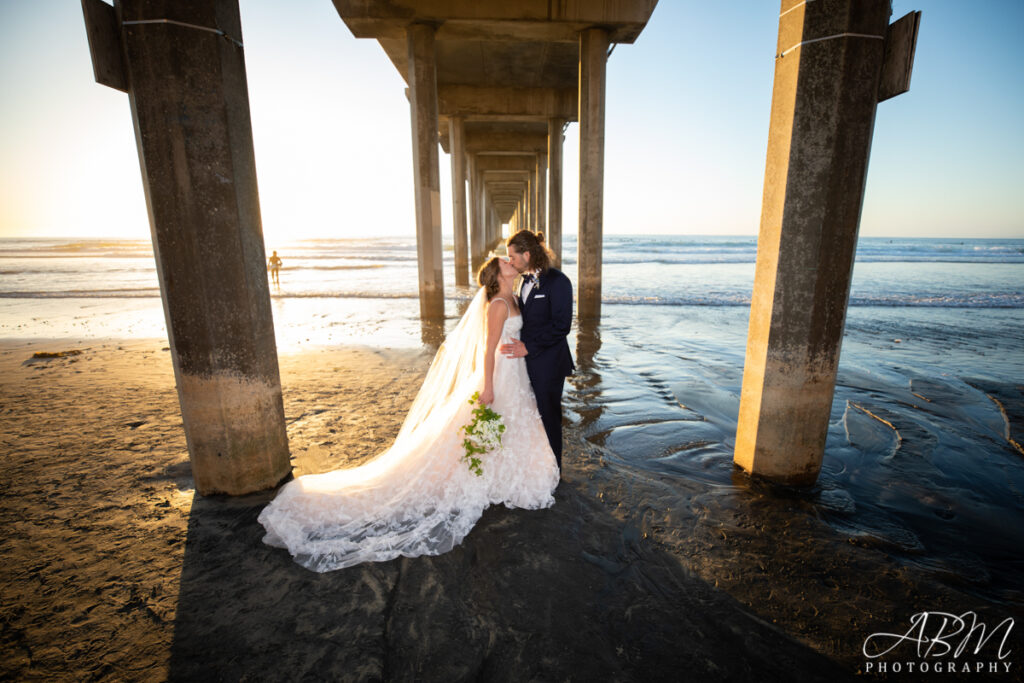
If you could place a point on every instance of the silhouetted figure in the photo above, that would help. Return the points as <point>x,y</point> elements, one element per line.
<point>274,263</point>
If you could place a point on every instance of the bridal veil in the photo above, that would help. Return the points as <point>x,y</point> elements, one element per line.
<point>417,497</point>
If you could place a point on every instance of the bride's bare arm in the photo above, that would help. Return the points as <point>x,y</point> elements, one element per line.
<point>496,316</point>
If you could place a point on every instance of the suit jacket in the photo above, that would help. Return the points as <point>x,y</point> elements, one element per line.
<point>547,319</point>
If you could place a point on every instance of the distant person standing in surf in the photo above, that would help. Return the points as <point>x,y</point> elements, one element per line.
<point>274,263</point>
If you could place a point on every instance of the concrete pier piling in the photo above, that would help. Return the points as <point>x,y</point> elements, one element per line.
<point>477,250</point>
<point>827,76</point>
<point>512,71</point>
<point>184,70</point>
<point>593,58</point>
<point>422,81</point>
<point>554,226</point>
<point>541,193</point>
<point>459,227</point>
<point>504,83</point>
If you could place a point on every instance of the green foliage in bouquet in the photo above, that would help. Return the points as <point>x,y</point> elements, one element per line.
<point>483,434</point>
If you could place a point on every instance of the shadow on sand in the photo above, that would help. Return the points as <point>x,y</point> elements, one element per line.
<point>565,593</point>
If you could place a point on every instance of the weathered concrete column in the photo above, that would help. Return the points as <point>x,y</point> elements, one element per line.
<point>554,233</point>
<point>476,223</point>
<point>190,108</point>
<point>456,136</point>
<point>529,206</point>
<point>485,217</point>
<point>593,58</point>
<point>823,108</point>
<point>541,194</point>
<point>495,228</point>
<point>422,81</point>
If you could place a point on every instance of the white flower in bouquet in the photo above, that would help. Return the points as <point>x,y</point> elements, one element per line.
<point>483,434</point>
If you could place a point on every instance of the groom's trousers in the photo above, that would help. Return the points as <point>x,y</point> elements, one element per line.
<point>549,404</point>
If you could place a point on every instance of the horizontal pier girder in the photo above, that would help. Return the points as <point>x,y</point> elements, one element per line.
<point>509,20</point>
<point>506,137</point>
<point>506,176</point>
<point>507,103</point>
<point>505,162</point>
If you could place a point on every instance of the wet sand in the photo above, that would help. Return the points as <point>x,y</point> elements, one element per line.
<point>114,570</point>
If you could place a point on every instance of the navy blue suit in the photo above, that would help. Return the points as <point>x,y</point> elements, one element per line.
<point>547,319</point>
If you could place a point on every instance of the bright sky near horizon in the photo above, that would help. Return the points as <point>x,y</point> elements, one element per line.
<point>686,130</point>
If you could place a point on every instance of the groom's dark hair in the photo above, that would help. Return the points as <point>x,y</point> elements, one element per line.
<point>525,241</point>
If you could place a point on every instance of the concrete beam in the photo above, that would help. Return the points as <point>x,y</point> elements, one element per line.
<point>502,137</point>
<point>506,103</point>
<point>898,63</point>
<point>506,162</point>
<point>511,20</point>
<point>190,109</point>
<point>506,187</point>
<point>103,30</point>
<point>505,176</point>
<point>827,73</point>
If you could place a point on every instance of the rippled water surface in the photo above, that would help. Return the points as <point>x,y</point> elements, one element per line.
<point>917,460</point>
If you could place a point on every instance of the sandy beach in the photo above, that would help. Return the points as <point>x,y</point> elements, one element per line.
<point>115,570</point>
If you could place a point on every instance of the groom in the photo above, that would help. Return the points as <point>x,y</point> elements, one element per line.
<point>545,300</point>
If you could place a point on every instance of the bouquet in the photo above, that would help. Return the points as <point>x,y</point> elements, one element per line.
<point>483,434</point>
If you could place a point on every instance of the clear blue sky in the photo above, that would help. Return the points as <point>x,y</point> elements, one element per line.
<point>687,126</point>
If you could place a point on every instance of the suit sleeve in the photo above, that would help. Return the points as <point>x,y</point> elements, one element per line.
<point>560,297</point>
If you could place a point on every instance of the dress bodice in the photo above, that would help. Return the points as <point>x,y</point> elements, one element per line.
<point>513,324</point>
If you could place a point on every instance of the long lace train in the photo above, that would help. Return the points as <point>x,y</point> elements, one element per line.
<point>418,497</point>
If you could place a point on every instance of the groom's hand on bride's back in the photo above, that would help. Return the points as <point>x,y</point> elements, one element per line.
<point>515,349</point>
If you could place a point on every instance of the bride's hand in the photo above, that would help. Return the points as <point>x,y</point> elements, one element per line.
<point>487,396</point>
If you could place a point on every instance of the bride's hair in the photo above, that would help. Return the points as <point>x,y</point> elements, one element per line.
<point>487,276</point>
<point>524,241</point>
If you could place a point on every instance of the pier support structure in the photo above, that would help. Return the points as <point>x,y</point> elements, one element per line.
<point>593,58</point>
<point>828,80</point>
<point>541,194</point>
<point>511,71</point>
<point>495,228</point>
<point>554,225</point>
<point>477,252</point>
<point>460,231</point>
<point>190,108</point>
<point>426,174</point>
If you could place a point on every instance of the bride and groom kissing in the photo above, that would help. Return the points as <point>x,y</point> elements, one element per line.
<point>418,497</point>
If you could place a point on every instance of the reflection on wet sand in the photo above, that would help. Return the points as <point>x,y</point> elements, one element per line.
<point>919,505</point>
<point>586,379</point>
<point>432,333</point>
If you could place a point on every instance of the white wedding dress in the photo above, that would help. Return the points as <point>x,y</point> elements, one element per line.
<point>419,496</point>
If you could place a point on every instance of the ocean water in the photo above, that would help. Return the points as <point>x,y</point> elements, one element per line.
<point>661,270</point>
<point>365,290</point>
<point>919,463</point>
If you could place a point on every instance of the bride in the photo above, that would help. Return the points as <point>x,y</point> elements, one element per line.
<point>419,497</point>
